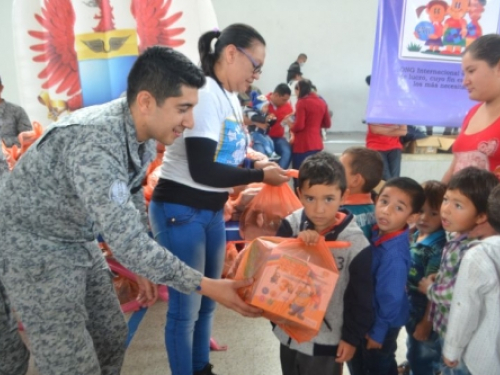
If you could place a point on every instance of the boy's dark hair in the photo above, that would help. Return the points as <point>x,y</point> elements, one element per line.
<point>238,34</point>
<point>322,168</point>
<point>410,187</point>
<point>162,71</point>
<point>476,184</point>
<point>368,163</point>
<point>283,89</point>
<point>434,193</point>
<point>493,211</point>
<point>302,56</point>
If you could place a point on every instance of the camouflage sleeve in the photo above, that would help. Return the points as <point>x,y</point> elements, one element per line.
<point>100,177</point>
<point>140,204</point>
<point>23,123</point>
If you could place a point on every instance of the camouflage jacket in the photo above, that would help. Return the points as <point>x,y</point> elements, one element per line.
<point>83,177</point>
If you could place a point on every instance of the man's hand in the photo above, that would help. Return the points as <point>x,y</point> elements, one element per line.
<point>148,292</point>
<point>372,344</point>
<point>224,291</point>
<point>345,352</point>
<point>422,330</point>
<point>425,283</point>
<point>449,363</point>
<point>309,237</point>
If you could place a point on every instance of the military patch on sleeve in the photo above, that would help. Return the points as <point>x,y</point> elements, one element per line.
<point>118,192</point>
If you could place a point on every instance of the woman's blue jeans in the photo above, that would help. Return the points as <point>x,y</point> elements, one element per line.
<point>198,238</point>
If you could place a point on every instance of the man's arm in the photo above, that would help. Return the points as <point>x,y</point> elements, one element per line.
<point>23,123</point>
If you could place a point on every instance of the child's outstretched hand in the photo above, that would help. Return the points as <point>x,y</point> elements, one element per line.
<point>345,352</point>
<point>424,284</point>
<point>310,237</point>
<point>372,344</point>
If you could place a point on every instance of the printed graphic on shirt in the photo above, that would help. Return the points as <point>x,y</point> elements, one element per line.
<point>232,145</point>
<point>476,159</point>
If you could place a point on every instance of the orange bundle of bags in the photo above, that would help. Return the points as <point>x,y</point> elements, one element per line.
<point>294,282</point>
<point>26,139</point>
<point>263,215</point>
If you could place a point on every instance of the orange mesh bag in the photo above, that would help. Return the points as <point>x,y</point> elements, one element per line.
<point>231,255</point>
<point>263,215</point>
<point>11,154</point>
<point>152,181</point>
<point>26,139</point>
<point>293,284</point>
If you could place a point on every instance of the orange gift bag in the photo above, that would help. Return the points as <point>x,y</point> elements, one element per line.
<point>294,282</point>
<point>263,215</point>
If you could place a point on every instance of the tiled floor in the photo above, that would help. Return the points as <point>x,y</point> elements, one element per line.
<point>252,348</point>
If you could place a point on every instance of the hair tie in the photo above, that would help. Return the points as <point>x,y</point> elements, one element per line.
<point>214,41</point>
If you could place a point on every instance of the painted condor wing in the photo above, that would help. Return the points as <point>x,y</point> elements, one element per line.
<point>57,47</point>
<point>154,27</point>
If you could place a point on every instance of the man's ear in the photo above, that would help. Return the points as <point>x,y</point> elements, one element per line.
<point>145,101</point>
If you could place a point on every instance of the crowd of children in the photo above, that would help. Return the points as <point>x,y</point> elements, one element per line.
<point>402,269</point>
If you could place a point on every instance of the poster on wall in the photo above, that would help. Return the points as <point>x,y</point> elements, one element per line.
<point>416,72</point>
<point>77,53</point>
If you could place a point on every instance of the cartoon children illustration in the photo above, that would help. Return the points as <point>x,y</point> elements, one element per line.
<point>436,10</point>
<point>304,297</point>
<point>455,27</point>
<point>474,29</point>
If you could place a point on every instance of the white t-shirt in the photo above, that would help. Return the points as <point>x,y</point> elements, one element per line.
<point>214,118</point>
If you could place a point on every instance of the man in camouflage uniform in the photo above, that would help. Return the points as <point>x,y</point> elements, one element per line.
<point>82,177</point>
<point>13,121</point>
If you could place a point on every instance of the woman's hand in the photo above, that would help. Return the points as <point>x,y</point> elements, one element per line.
<point>275,176</point>
<point>224,291</point>
<point>261,164</point>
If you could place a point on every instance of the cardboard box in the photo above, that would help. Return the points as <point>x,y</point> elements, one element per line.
<point>430,145</point>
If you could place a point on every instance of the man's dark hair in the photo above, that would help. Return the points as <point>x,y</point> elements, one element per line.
<point>434,193</point>
<point>410,187</point>
<point>302,56</point>
<point>282,89</point>
<point>162,71</point>
<point>238,34</point>
<point>368,163</point>
<point>322,168</point>
<point>493,211</point>
<point>476,184</point>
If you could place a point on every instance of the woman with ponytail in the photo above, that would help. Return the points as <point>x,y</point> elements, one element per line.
<point>198,172</point>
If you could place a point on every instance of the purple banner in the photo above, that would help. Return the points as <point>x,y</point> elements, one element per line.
<point>416,73</point>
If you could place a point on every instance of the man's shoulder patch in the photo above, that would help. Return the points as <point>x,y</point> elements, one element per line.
<point>119,192</point>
